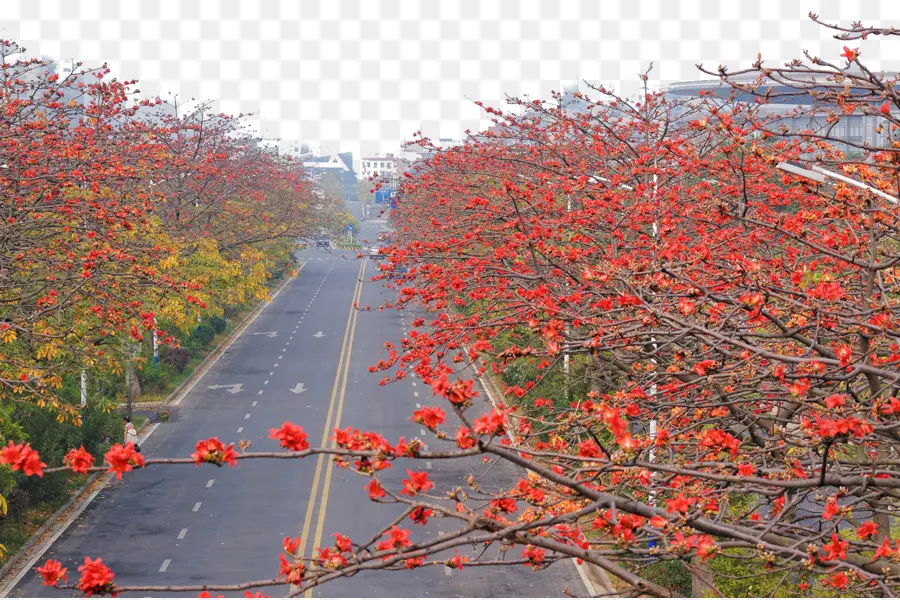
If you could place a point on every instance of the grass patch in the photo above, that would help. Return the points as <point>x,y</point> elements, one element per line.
<point>16,530</point>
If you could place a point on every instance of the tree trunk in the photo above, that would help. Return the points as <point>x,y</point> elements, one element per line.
<point>132,384</point>
<point>701,580</point>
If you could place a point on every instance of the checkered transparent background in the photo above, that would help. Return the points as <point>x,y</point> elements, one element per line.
<point>365,75</point>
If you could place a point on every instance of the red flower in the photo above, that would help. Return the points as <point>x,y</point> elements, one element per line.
<point>534,555</point>
<point>420,515</point>
<point>291,545</point>
<point>836,549</point>
<point>22,457</point>
<point>505,505</point>
<point>831,508</point>
<point>884,550</point>
<point>492,423</point>
<point>588,449</point>
<point>417,483</point>
<point>703,366</point>
<point>397,539</point>
<point>678,504</point>
<point>838,580</point>
<point>79,460</point>
<point>458,392</point>
<point>259,594</point>
<point>659,522</point>
<point>799,387</point>
<point>375,490</point>
<point>122,459</point>
<point>343,543</point>
<point>430,417</point>
<point>291,437</point>
<point>867,530</point>
<point>330,559</point>
<point>291,570</point>
<point>33,465</point>
<point>457,561</point>
<point>465,439</point>
<point>214,452</point>
<point>849,54</point>
<point>52,572</point>
<point>885,108</point>
<point>412,563</point>
<point>835,400</point>
<point>745,470</point>
<point>96,578</point>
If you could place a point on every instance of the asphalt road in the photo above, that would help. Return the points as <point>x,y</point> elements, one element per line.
<point>180,524</point>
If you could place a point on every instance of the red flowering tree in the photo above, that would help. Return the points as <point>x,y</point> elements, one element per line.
<point>111,219</point>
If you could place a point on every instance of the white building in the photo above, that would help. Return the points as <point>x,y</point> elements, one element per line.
<point>378,166</point>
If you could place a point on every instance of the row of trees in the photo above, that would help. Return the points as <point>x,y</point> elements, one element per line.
<point>120,218</point>
<point>737,323</point>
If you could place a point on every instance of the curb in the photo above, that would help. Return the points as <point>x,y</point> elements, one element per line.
<point>79,496</point>
<point>592,576</point>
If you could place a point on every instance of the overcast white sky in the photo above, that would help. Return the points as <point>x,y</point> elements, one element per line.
<point>363,76</point>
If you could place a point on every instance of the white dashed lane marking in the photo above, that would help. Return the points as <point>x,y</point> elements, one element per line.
<point>196,507</point>
<point>165,565</point>
<point>182,533</point>
<point>210,483</point>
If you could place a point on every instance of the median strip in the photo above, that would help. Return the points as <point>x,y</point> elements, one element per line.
<point>343,361</point>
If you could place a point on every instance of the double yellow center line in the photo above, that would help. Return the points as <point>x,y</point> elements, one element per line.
<point>335,409</point>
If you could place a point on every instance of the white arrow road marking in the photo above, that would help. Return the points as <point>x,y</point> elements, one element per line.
<point>298,389</point>
<point>319,334</point>
<point>270,334</point>
<point>234,387</point>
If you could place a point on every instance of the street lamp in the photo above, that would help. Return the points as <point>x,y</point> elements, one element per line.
<point>817,173</point>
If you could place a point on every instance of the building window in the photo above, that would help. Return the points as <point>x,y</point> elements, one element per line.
<point>854,129</point>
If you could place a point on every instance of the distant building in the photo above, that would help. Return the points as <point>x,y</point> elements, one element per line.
<point>859,129</point>
<point>383,165</point>
<point>339,164</point>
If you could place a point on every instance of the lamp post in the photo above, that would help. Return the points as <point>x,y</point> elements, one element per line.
<point>817,173</point>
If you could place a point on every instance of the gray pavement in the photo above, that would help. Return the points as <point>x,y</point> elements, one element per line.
<point>184,525</point>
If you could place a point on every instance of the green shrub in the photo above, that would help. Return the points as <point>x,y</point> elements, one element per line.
<point>101,427</point>
<point>176,358</point>
<point>741,575</point>
<point>218,324</point>
<point>52,440</point>
<point>671,574</point>
<point>154,378</point>
<point>203,336</point>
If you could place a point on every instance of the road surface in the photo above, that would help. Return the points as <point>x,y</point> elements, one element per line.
<point>180,524</point>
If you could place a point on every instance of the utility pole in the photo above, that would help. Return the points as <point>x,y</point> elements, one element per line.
<point>155,345</point>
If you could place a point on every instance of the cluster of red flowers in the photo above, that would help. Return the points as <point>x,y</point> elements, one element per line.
<point>22,457</point>
<point>215,452</point>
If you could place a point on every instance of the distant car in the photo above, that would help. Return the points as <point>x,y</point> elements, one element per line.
<point>383,235</point>
<point>375,252</point>
<point>323,243</point>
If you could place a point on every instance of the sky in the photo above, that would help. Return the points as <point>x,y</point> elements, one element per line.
<point>363,76</point>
